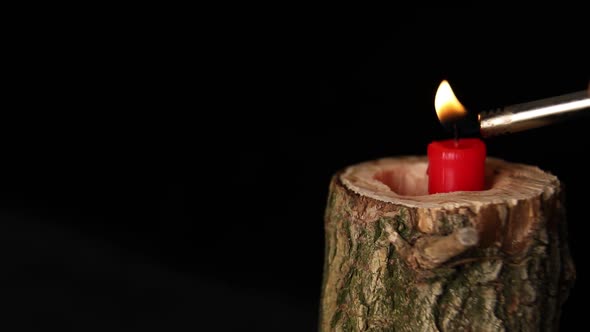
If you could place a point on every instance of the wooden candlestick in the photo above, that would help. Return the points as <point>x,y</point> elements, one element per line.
<point>399,259</point>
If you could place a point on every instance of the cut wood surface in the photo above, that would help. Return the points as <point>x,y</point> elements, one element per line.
<point>398,259</point>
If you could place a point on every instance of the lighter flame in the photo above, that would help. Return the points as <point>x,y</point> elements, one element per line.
<point>446,104</point>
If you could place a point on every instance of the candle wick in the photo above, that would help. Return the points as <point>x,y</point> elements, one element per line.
<point>456,135</point>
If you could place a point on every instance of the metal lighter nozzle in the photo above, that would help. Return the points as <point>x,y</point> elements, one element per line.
<point>533,114</point>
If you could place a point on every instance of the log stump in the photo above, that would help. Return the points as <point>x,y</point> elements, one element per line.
<point>398,259</point>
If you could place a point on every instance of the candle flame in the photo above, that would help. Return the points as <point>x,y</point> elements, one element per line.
<point>447,106</point>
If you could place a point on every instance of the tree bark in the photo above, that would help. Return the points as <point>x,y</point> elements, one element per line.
<point>397,259</point>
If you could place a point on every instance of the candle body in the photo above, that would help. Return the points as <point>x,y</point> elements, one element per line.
<point>456,165</point>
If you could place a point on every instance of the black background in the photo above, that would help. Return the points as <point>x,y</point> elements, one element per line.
<point>162,171</point>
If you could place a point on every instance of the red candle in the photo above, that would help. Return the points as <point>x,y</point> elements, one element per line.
<point>454,164</point>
